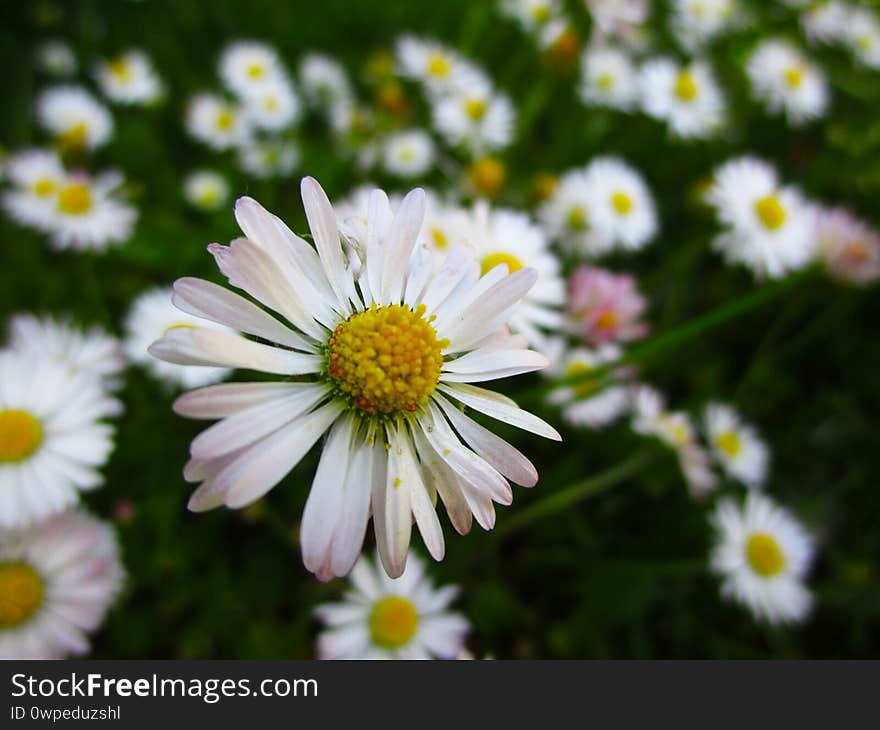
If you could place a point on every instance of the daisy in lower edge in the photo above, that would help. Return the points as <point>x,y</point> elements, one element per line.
<point>392,618</point>
<point>608,78</point>
<point>57,581</point>
<point>771,228</point>
<point>783,78</point>
<point>382,348</point>
<point>763,555</point>
<point>736,445</point>
<point>151,315</point>
<point>76,119</point>
<point>206,189</point>
<point>129,79</point>
<point>52,440</point>
<point>848,247</point>
<point>686,97</point>
<point>37,175</point>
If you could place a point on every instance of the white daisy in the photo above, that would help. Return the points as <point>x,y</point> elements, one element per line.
<point>567,215</point>
<point>56,57</point>
<point>74,117</point>
<point>827,22</point>
<point>687,98</point>
<point>325,83</point>
<point>52,442</point>
<point>786,82</point>
<point>763,555</point>
<point>217,122</point>
<point>446,226</point>
<point>622,19</point>
<point>37,176</point>
<point>736,445</point>
<point>696,22</point>
<point>475,116</point>
<point>273,106</point>
<point>532,15</point>
<point>129,79</point>
<point>268,158</point>
<point>848,247</point>
<point>608,78</point>
<point>247,66</point>
<point>862,36</point>
<point>151,315</point>
<point>440,68</point>
<point>57,581</point>
<point>206,189</point>
<point>408,153</point>
<point>392,618</point>
<point>384,348</point>
<point>621,205</point>
<point>771,228</point>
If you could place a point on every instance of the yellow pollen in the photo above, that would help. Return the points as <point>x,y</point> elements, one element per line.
<point>386,359</point>
<point>622,203</point>
<point>607,320</point>
<point>256,70</point>
<point>686,87</point>
<point>20,435</point>
<point>794,77</point>
<point>729,443</point>
<point>393,622</point>
<point>21,594</point>
<point>75,199</point>
<point>475,109</point>
<point>225,120</point>
<point>494,259</point>
<point>577,218</point>
<point>121,69</point>
<point>605,82</point>
<point>487,176</point>
<point>270,104</point>
<point>440,239</point>
<point>588,386</point>
<point>543,185</point>
<point>74,138</point>
<point>771,212</point>
<point>764,555</point>
<point>44,187</point>
<point>438,66</point>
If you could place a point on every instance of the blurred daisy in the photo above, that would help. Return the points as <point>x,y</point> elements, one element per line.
<point>268,158</point>
<point>439,67</point>
<point>37,176</point>
<point>782,78</point>
<point>408,153</point>
<point>57,581</point>
<point>56,58</point>
<point>386,345</point>
<point>687,98</point>
<point>736,445</point>
<point>567,215</point>
<point>622,19</point>
<point>476,117</point>
<point>152,315</point>
<point>274,106</point>
<point>862,36</point>
<point>532,15</point>
<point>848,247</point>
<point>392,618</point>
<point>827,22</point>
<point>622,207</point>
<point>763,555</point>
<point>129,79</point>
<point>52,442</point>
<point>604,307</point>
<point>247,66</point>
<point>771,228</point>
<point>588,403</point>
<point>74,117</point>
<point>485,177</point>
<point>216,122</point>
<point>206,189</point>
<point>696,22</point>
<point>92,351</point>
<point>608,78</point>
<point>325,83</point>
<point>446,226</point>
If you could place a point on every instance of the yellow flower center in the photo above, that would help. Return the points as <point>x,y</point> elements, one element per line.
<point>44,187</point>
<point>500,257</point>
<point>75,199</point>
<point>225,119</point>
<point>794,77</point>
<point>771,212</point>
<point>270,104</point>
<point>544,185</point>
<point>605,82</point>
<point>20,435</point>
<point>487,176</point>
<point>865,42</point>
<point>74,138</point>
<point>256,70</point>
<point>21,594</point>
<point>475,109</point>
<point>686,87</point>
<point>386,359</point>
<point>622,203</point>
<point>393,622</point>
<point>856,253</point>
<point>577,218</point>
<point>391,98</point>
<point>607,320</point>
<point>588,386</point>
<point>729,443</point>
<point>764,555</point>
<point>121,69</point>
<point>440,239</point>
<point>541,14</point>
<point>438,66</point>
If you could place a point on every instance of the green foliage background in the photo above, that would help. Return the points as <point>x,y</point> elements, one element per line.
<point>618,573</point>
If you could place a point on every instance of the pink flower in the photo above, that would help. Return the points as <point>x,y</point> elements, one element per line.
<point>605,307</point>
<point>849,249</point>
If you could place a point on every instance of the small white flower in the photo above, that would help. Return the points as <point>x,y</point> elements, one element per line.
<point>608,78</point>
<point>786,82</point>
<point>736,445</point>
<point>57,58</point>
<point>588,404</point>
<point>532,15</point>
<point>216,122</point>
<point>763,555</point>
<point>273,106</point>
<point>696,22</point>
<point>770,227</point>
<point>37,175</point>
<point>440,68</point>
<point>687,98</point>
<point>74,117</point>
<point>325,83</point>
<point>848,247</point>
<point>246,66</point>
<point>475,116</point>
<point>567,215</point>
<point>862,36</point>
<point>52,440</point>
<point>206,189</point>
<point>392,618</point>
<point>268,158</point>
<point>827,22</point>
<point>57,581</point>
<point>408,153</point>
<point>153,315</point>
<point>129,79</point>
<point>622,19</point>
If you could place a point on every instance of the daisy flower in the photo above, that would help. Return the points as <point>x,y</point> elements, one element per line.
<point>770,227</point>
<point>696,22</point>
<point>604,307</point>
<point>216,122</point>
<point>532,15</point>
<point>52,440</point>
<point>622,207</point>
<point>862,36</point>
<point>476,117</point>
<point>273,106</point>
<point>37,176</point>
<point>206,189</point>
<point>151,315</point>
<point>763,555</point>
<point>827,22</point>
<point>57,581</point>
<point>736,445</point>
<point>247,66</point>
<point>446,226</point>
<point>325,83</point>
<point>608,78</point>
<point>392,618</point>
<point>268,158</point>
<point>74,117</point>
<point>485,177</point>
<point>848,247</point>
<point>567,215</point>
<point>686,97</point>
<point>438,67</point>
<point>56,58</point>
<point>408,153</point>
<point>623,19</point>
<point>129,79</point>
<point>786,82</point>
<point>383,348</point>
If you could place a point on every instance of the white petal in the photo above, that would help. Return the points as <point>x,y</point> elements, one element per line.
<point>218,401</point>
<point>403,235</point>
<point>482,401</point>
<point>322,222</point>
<point>420,502</point>
<point>352,525</point>
<point>398,517</point>
<point>447,484</point>
<point>478,361</point>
